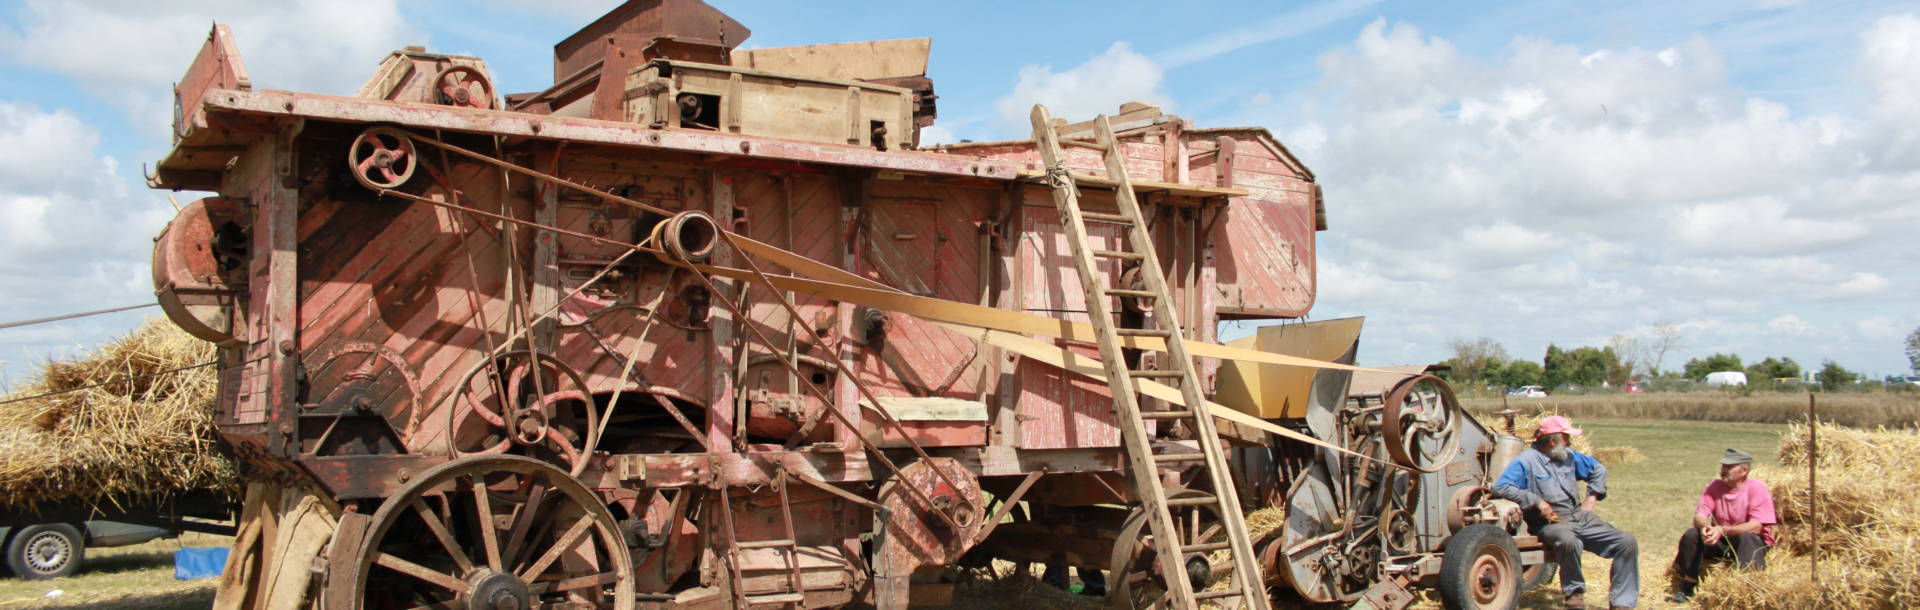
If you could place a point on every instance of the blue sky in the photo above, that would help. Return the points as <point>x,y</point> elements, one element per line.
<point>1544,172</point>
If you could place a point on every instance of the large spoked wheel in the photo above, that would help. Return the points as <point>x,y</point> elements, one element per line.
<point>1480,570</point>
<point>1137,580</point>
<point>1421,422</point>
<point>503,532</point>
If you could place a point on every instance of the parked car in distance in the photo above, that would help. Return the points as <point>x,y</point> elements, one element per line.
<point>1726,378</point>
<point>1633,387</point>
<point>1529,391</point>
<point>52,550</point>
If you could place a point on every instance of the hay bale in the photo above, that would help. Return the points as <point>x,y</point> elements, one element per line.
<point>1525,423</point>
<point>1869,525</point>
<point>1619,454</point>
<point>151,436</point>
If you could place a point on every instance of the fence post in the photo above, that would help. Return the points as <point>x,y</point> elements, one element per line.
<point>1813,503</point>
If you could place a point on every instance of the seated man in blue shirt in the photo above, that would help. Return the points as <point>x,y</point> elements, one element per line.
<point>1542,480</point>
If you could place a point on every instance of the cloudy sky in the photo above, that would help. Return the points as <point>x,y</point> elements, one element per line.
<point>1554,172</point>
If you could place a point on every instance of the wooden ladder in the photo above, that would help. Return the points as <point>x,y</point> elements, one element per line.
<point>796,593</point>
<point>1176,369</point>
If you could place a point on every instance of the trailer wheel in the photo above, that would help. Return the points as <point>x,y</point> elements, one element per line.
<point>48,550</point>
<point>1480,570</point>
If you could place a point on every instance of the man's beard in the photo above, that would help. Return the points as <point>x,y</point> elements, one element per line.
<point>1560,453</point>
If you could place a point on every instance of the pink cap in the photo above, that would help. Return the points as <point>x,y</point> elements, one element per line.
<point>1556,424</point>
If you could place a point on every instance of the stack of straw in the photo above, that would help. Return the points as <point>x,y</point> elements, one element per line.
<point>149,437</point>
<point>1525,423</point>
<point>1868,502</point>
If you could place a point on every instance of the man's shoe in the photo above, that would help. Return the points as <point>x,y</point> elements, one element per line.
<point>1576,601</point>
<point>1681,594</point>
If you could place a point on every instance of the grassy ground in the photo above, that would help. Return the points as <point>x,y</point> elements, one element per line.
<point>1654,499</point>
<point>123,578</point>
<point>1651,499</point>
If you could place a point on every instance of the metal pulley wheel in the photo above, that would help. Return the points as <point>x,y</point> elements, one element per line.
<point>686,237</point>
<point>382,158</point>
<point>463,86</point>
<point>1421,422</point>
<point>533,413</point>
<point>506,532</point>
<point>1310,554</point>
<point>356,387</point>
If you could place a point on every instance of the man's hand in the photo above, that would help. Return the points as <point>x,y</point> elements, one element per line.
<point>1546,511</point>
<point>1710,535</point>
<point>1586,506</point>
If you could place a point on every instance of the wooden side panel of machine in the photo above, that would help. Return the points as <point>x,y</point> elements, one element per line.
<point>1059,410</point>
<point>1264,248</point>
<point>924,239</point>
<point>390,289</point>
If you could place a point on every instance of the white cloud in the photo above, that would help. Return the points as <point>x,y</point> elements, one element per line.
<point>1098,86</point>
<point>1882,328</point>
<point>1789,324</point>
<point>1286,25</point>
<point>934,134</point>
<point>1862,284</point>
<point>1757,226</point>
<point>129,53</point>
<point>1552,192</point>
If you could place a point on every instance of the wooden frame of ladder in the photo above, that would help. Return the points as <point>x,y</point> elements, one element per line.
<point>1177,370</point>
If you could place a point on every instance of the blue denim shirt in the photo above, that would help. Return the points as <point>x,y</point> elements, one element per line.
<point>1533,476</point>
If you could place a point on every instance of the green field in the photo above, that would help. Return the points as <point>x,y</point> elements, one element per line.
<point>1652,499</point>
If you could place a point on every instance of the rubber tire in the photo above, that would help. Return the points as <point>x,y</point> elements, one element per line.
<point>45,533</point>
<point>1540,575</point>
<point>1463,548</point>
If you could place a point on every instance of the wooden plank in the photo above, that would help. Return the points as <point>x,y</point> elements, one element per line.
<point>1186,190</point>
<point>874,59</point>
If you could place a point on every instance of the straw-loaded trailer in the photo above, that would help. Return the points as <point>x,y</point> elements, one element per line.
<point>702,326</point>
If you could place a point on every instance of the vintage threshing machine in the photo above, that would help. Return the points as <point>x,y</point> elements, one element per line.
<point>702,326</point>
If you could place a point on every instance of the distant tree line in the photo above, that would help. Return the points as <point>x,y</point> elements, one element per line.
<point>1485,362</point>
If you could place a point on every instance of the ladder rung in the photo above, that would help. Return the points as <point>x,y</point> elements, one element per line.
<point>1166,415</point>
<point>1202,500</point>
<point>1142,332</point>
<point>1215,594</point>
<point>765,544</point>
<point>1160,374</point>
<point>1131,256</point>
<point>1084,144</point>
<point>1205,547</point>
<point>1120,219</point>
<point>1180,457</point>
<point>1138,294</point>
<point>777,598</point>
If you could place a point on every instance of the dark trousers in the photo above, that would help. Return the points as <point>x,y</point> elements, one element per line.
<point>1746,550</point>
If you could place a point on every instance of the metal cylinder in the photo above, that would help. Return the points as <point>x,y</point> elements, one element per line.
<point>1505,448</point>
<point>686,237</point>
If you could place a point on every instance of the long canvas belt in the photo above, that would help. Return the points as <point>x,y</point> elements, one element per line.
<point>1004,329</point>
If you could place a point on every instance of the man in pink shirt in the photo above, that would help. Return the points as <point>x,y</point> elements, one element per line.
<point>1735,517</point>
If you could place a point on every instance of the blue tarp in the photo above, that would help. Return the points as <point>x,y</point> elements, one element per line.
<point>191,563</point>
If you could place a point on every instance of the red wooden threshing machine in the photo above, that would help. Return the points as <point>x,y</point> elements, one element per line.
<point>699,326</point>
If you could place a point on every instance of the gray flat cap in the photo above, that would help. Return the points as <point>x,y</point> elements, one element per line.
<point>1736,456</point>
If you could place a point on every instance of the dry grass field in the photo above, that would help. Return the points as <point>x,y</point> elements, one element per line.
<point>1859,410</point>
<point>1652,499</point>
